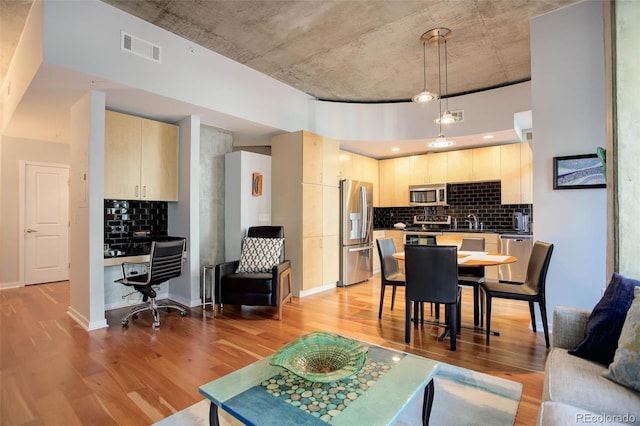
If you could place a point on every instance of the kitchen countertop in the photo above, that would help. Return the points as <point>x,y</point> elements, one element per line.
<point>466,230</point>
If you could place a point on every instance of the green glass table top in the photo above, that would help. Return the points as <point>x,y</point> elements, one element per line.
<point>263,394</point>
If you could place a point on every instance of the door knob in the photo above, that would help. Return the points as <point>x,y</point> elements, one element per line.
<point>31,230</point>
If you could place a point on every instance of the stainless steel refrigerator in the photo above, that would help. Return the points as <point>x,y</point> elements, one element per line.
<point>356,232</point>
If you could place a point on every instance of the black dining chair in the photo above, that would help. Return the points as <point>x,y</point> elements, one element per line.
<point>472,276</point>
<point>390,273</point>
<point>432,276</point>
<point>532,290</point>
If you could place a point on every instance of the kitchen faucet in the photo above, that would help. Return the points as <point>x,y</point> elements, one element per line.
<point>475,221</point>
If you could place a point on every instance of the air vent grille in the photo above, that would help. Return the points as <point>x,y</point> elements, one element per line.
<point>140,47</point>
<point>459,115</point>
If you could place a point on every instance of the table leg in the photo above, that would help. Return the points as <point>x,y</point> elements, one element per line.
<point>428,402</point>
<point>213,415</point>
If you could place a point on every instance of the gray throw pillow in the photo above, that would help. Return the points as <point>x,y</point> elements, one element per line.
<point>625,368</point>
<point>259,254</point>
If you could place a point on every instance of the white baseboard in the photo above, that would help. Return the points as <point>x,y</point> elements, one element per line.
<point>84,322</point>
<point>16,284</point>
<point>316,290</point>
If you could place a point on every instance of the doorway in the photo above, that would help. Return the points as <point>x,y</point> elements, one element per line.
<point>45,223</point>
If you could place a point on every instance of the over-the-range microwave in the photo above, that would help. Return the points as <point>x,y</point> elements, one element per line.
<point>428,195</point>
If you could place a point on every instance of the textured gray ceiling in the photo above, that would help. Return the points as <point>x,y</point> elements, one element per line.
<point>356,51</point>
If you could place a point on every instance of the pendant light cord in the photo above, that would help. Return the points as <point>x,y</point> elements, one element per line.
<point>439,84</point>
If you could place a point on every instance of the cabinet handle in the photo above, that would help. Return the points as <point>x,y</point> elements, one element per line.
<point>137,187</point>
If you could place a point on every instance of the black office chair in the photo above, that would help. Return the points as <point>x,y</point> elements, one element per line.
<point>165,262</point>
<point>472,276</point>
<point>263,288</point>
<point>532,290</point>
<point>390,274</point>
<point>432,276</point>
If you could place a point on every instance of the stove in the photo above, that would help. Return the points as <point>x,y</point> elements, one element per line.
<point>426,229</point>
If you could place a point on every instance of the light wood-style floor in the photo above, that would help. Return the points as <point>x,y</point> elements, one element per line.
<point>54,372</point>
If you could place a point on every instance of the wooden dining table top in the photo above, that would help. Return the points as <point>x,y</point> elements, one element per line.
<point>473,258</point>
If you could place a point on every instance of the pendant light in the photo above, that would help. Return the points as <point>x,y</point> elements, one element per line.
<point>424,96</point>
<point>446,117</point>
<point>439,36</point>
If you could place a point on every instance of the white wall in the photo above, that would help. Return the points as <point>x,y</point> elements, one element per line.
<point>568,99</point>
<point>14,150</point>
<point>242,209</point>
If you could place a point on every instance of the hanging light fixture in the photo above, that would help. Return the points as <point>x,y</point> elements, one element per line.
<point>424,96</point>
<point>446,117</point>
<point>439,36</point>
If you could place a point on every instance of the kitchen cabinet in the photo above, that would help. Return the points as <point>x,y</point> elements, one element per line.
<point>394,182</point>
<point>376,256</point>
<point>359,167</point>
<point>428,168</point>
<point>141,158</point>
<point>459,166</point>
<point>305,200</point>
<point>516,173</point>
<point>486,164</point>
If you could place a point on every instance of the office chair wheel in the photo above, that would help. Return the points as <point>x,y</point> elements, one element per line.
<point>125,322</point>
<point>183,313</point>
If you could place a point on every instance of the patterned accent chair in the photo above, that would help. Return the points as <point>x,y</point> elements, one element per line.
<point>261,277</point>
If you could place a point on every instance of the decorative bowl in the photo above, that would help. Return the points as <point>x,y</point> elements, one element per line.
<point>321,357</point>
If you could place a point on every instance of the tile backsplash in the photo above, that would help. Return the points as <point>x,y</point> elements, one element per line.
<point>124,217</point>
<point>479,198</point>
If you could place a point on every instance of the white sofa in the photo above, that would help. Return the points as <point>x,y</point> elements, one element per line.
<point>575,391</point>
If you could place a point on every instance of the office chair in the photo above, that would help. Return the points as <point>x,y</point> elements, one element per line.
<point>263,283</point>
<point>390,274</point>
<point>532,290</point>
<point>165,262</point>
<point>472,276</point>
<point>432,276</point>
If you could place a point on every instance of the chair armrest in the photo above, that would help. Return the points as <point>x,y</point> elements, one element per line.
<point>127,268</point>
<point>569,326</point>
<point>281,267</point>
<point>221,270</point>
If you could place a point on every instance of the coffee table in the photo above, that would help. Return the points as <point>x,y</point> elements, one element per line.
<point>390,382</point>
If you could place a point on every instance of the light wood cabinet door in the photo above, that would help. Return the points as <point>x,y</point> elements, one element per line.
<point>526,173</point>
<point>330,162</point>
<point>345,165</point>
<point>486,163</point>
<point>330,210</point>
<point>510,186</point>
<point>312,153</point>
<point>159,161</point>
<point>387,182</point>
<point>370,174</point>
<point>312,206</point>
<point>330,259</point>
<point>459,166</point>
<point>437,165</point>
<point>312,263</point>
<point>122,153</point>
<point>419,165</point>
<point>402,170</point>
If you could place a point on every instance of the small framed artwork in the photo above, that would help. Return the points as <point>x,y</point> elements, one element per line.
<point>578,172</point>
<point>256,186</point>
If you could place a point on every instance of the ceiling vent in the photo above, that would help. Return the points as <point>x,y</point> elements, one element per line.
<point>140,47</point>
<point>458,115</point>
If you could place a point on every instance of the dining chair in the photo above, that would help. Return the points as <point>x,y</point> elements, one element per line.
<point>432,276</point>
<point>472,276</point>
<point>390,273</point>
<point>532,290</point>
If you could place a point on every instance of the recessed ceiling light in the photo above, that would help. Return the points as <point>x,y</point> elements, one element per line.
<point>395,149</point>
<point>487,137</point>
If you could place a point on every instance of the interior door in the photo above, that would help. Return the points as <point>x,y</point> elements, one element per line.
<point>46,224</point>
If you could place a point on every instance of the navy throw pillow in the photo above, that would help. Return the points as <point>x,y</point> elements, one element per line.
<point>605,322</point>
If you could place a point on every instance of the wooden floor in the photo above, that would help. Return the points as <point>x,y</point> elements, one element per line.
<point>54,372</point>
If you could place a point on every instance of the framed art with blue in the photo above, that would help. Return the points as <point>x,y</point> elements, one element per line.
<point>578,172</point>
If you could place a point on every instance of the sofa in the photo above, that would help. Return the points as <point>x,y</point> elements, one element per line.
<point>575,390</point>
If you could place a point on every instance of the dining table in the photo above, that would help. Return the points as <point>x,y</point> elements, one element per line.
<point>472,259</point>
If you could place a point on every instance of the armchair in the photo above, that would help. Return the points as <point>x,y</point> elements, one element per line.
<point>258,278</point>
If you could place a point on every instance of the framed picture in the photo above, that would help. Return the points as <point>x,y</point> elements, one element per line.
<point>578,172</point>
<point>256,187</point>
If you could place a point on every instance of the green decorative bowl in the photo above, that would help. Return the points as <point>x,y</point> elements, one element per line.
<point>321,357</point>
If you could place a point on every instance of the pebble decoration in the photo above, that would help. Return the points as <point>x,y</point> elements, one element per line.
<point>325,400</point>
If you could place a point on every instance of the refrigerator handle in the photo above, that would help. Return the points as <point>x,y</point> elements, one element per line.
<point>365,212</point>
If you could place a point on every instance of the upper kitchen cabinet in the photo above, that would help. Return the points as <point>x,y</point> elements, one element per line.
<point>460,166</point>
<point>516,173</point>
<point>360,167</point>
<point>141,159</point>
<point>394,182</point>
<point>486,163</point>
<point>320,159</point>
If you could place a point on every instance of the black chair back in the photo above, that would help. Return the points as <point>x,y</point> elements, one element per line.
<point>388,264</point>
<point>538,267</point>
<point>431,273</point>
<point>268,232</point>
<point>166,260</point>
